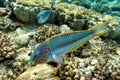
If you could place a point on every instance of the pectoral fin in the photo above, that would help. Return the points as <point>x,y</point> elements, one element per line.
<point>58,59</point>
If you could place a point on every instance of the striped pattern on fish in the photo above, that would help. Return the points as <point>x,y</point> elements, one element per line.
<point>57,46</point>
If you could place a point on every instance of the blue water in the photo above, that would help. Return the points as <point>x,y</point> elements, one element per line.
<point>111,7</point>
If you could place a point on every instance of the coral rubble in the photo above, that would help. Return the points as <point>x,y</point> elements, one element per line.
<point>102,63</point>
<point>7,24</point>
<point>97,60</point>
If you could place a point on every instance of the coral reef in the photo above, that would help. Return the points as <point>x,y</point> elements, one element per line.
<point>10,61</point>
<point>97,60</point>
<point>102,62</point>
<point>76,17</point>
<point>73,15</point>
<point>26,11</point>
<point>64,13</point>
<point>8,24</point>
<point>7,47</point>
<point>26,40</point>
<point>5,22</point>
<point>102,6</point>
<point>45,31</point>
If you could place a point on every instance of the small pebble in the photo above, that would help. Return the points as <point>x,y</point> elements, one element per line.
<point>10,72</point>
<point>81,65</point>
<point>93,62</point>
<point>81,60</point>
<point>66,73</point>
<point>64,28</point>
<point>91,68</point>
<point>82,78</point>
<point>76,77</point>
<point>88,74</point>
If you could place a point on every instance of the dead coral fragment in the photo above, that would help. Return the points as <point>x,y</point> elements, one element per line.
<point>41,72</point>
<point>7,24</point>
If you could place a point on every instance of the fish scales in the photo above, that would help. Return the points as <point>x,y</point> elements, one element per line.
<point>69,41</point>
<point>66,38</point>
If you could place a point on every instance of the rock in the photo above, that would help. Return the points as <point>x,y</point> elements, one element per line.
<point>3,11</point>
<point>25,13</point>
<point>41,72</point>
<point>79,23</point>
<point>64,28</point>
<point>23,39</point>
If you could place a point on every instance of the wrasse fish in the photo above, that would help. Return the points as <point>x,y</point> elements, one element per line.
<point>54,48</point>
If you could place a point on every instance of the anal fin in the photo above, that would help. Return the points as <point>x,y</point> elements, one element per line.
<point>78,46</point>
<point>58,59</point>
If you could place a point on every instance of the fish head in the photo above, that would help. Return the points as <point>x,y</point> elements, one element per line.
<point>40,55</point>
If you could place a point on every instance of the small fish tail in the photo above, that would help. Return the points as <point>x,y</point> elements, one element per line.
<point>101,29</point>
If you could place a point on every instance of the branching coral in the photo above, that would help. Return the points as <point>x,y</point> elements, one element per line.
<point>7,46</point>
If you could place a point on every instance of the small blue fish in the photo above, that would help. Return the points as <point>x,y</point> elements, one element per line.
<point>54,48</point>
<point>44,15</point>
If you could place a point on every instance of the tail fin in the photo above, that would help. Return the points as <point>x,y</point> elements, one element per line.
<point>101,29</point>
